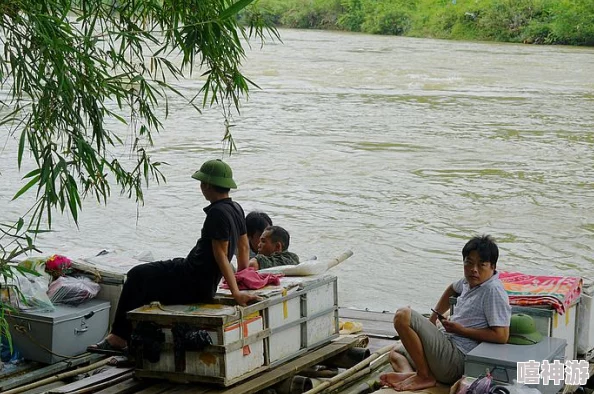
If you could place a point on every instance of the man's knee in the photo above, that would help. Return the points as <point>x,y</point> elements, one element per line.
<point>402,317</point>
<point>139,272</point>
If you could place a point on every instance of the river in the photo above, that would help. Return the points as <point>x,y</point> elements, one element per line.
<point>399,149</point>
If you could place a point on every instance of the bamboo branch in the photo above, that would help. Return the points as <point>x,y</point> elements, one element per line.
<point>338,379</point>
<point>57,377</point>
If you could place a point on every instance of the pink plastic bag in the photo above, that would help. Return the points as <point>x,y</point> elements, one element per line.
<point>480,386</point>
<point>72,290</point>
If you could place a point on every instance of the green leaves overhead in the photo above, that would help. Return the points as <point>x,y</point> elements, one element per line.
<point>73,67</point>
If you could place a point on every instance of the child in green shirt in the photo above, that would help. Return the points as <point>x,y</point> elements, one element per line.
<point>272,249</point>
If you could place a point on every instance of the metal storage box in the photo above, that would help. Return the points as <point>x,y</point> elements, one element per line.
<point>502,359</point>
<point>300,314</point>
<point>67,331</point>
<point>551,324</point>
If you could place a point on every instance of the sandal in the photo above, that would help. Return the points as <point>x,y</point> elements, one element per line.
<point>105,347</point>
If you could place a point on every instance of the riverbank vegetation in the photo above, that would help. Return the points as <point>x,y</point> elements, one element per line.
<point>569,22</point>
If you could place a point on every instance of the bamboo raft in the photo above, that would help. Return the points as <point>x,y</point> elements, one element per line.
<point>113,375</point>
<point>357,361</point>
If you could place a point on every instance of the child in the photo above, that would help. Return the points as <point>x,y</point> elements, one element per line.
<point>272,249</point>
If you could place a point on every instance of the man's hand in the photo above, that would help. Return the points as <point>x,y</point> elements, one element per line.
<point>243,298</point>
<point>453,327</point>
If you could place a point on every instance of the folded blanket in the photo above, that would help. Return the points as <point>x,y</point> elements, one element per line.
<point>250,279</point>
<point>556,291</point>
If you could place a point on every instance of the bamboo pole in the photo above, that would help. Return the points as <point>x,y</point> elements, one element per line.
<point>350,372</point>
<point>373,366</point>
<point>57,377</point>
<point>368,384</point>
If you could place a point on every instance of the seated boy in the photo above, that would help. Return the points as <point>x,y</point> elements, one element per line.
<point>272,249</point>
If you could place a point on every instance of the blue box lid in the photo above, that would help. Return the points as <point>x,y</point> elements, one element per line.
<point>64,312</point>
<point>509,355</point>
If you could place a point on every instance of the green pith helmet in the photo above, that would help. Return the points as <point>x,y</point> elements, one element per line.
<point>217,173</point>
<point>522,330</point>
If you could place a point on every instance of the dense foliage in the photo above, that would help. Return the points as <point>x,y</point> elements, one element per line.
<point>530,21</point>
<point>71,69</point>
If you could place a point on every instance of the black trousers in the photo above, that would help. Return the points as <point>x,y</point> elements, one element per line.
<point>163,281</point>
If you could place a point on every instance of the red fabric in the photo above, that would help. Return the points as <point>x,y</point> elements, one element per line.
<point>250,279</point>
<point>560,292</point>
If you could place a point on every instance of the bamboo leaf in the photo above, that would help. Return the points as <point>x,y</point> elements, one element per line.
<point>30,184</point>
<point>21,148</point>
<point>234,9</point>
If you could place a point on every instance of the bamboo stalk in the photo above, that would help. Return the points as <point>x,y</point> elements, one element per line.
<point>60,376</point>
<point>373,366</point>
<point>368,384</point>
<point>350,372</point>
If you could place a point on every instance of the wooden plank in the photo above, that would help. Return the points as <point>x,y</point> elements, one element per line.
<point>360,314</point>
<point>22,367</point>
<point>127,386</point>
<point>193,389</point>
<point>185,378</point>
<point>374,323</point>
<point>158,388</point>
<point>44,388</point>
<point>44,372</point>
<point>290,368</point>
<point>109,374</point>
<point>105,384</point>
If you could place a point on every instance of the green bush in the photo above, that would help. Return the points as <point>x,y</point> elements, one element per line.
<point>386,17</point>
<point>529,21</point>
<point>353,16</point>
<point>573,22</point>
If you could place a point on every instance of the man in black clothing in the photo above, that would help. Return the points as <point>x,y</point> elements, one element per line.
<point>196,277</point>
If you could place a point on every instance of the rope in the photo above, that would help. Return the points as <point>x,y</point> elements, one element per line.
<point>23,330</point>
<point>241,326</point>
<point>238,310</point>
<point>158,305</point>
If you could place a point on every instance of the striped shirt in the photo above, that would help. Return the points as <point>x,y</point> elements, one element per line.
<point>482,306</point>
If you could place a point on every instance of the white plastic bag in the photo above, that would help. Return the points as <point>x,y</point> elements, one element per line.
<point>31,294</point>
<point>519,388</point>
<point>72,290</point>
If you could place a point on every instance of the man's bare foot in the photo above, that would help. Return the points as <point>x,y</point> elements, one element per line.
<point>391,378</point>
<point>415,382</point>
